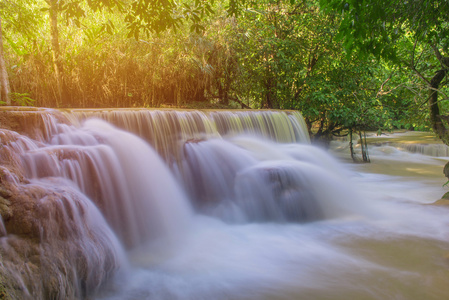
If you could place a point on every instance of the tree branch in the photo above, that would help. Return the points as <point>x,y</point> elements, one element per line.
<point>439,91</point>
<point>437,52</point>
<point>442,59</point>
<point>413,65</point>
<point>381,92</point>
<point>295,10</point>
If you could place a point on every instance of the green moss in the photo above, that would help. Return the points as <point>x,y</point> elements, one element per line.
<point>446,170</point>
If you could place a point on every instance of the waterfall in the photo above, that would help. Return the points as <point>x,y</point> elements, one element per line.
<point>168,130</point>
<point>168,204</point>
<point>123,176</point>
<point>103,180</point>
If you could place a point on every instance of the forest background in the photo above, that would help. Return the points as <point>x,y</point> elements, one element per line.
<point>346,65</point>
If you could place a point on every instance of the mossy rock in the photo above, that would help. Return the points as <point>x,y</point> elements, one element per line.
<point>442,202</point>
<point>446,170</point>
<point>5,210</point>
<point>4,295</point>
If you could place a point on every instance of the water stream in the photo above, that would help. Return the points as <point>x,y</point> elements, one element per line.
<point>239,205</point>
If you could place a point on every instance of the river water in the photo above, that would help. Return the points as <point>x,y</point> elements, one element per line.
<point>240,206</point>
<point>388,243</point>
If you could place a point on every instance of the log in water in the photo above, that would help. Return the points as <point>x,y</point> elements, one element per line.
<point>153,204</point>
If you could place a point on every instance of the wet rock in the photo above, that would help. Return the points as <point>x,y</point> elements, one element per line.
<point>28,121</point>
<point>446,170</point>
<point>5,209</point>
<point>4,193</point>
<point>54,243</point>
<point>52,251</point>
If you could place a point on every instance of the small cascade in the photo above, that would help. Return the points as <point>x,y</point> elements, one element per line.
<point>277,126</point>
<point>210,171</point>
<point>123,176</point>
<point>425,143</point>
<point>246,179</point>
<point>436,150</point>
<point>54,242</point>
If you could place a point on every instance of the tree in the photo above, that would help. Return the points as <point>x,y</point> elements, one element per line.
<point>142,16</point>
<point>70,10</point>
<point>397,30</point>
<point>279,45</point>
<point>56,52</point>
<point>4,80</point>
<point>17,16</point>
<point>289,58</point>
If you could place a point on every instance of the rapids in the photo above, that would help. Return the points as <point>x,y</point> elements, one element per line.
<point>220,205</point>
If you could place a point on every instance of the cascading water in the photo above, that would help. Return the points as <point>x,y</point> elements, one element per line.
<point>55,242</point>
<point>228,205</point>
<point>246,179</point>
<point>120,173</point>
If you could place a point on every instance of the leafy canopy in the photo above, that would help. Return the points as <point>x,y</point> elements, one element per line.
<point>375,26</point>
<point>142,16</point>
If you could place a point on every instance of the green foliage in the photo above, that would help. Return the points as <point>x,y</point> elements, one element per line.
<point>289,58</point>
<point>414,36</point>
<point>20,16</point>
<point>373,26</point>
<point>22,99</point>
<point>195,53</point>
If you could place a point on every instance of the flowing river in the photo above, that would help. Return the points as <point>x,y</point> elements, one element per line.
<point>224,205</point>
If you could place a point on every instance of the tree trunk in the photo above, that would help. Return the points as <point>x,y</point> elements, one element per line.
<point>351,145</point>
<point>364,146</point>
<point>4,80</point>
<point>55,50</point>
<point>435,118</point>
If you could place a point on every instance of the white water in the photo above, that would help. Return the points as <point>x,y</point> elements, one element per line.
<point>376,241</point>
<point>246,218</point>
<point>122,174</point>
